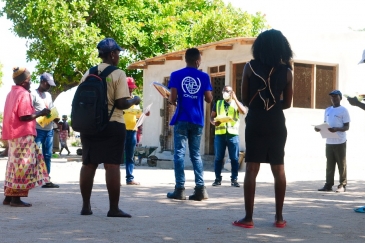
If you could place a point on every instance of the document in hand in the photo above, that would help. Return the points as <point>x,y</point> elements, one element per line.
<point>142,117</point>
<point>45,120</point>
<point>223,119</point>
<point>162,89</point>
<point>325,133</point>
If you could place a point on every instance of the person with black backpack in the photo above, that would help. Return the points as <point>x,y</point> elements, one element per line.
<point>97,113</point>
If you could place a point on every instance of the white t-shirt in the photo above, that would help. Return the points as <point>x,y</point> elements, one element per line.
<point>336,117</point>
<point>42,100</point>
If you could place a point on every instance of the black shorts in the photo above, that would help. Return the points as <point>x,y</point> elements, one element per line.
<point>106,146</point>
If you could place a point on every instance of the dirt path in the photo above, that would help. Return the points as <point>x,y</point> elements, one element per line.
<point>312,216</point>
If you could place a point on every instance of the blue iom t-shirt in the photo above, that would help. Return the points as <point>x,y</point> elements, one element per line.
<point>191,85</point>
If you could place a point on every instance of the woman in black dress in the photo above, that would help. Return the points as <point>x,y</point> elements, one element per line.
<point>266,79</point>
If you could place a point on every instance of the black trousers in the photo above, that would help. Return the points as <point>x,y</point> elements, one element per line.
<point>336,154</point>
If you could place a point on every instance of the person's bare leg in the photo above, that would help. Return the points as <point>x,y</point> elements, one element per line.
<point>280,188</point>
<point>87,174</point>
<point>249,188</point>
<point>112,177</point>
<point>68,151</point>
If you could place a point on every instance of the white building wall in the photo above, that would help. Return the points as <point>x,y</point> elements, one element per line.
<point>152,127</point>
<point>344,50</point>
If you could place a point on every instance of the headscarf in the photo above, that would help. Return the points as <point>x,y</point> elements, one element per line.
<point>20,74</point>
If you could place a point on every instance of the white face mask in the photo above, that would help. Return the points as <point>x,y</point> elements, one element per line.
<point>226,95</point>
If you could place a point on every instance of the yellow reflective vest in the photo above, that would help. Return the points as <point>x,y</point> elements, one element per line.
<point>230,127</point>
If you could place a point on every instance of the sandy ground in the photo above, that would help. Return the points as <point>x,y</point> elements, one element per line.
<point>312,216</point>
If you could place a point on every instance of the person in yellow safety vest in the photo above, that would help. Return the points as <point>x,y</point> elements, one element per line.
<point>130,120</point>
<point>226,133</point>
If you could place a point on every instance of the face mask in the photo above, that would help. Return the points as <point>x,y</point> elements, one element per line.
<point>226,95</point>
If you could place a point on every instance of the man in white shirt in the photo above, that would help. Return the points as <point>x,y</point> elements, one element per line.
<point>338,118</point>
<point>43,99</point>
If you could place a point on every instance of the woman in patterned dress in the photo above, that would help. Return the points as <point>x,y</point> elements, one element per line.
<point>25,168</point>
<point>64,134</point>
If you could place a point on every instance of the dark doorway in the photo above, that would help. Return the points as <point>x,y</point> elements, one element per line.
<point>218,83</point>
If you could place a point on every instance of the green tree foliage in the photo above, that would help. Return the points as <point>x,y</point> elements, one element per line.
<point>62,35</point>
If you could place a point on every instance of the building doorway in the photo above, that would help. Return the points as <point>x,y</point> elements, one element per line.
<point>218,82</point>
<point>166,138</point>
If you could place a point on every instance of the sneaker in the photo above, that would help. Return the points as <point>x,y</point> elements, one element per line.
<point>341,188</point>
<point>217,182</point>
<point>50,185</point>
<point>235,183</point>
<point>325,188</point>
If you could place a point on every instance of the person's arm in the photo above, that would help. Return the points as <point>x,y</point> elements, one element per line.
<point>35,115</point>
<point>240,106</point>
<point>173,96</point>
<point>126,102</point>
<point>355,102</point>
<point>213,115</point>
<point>208,97</point>
<point>344,128</point>
<point>288,91</point>
<point>244,85</point>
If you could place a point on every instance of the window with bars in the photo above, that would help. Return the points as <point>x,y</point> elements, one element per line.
<point>312,84</point>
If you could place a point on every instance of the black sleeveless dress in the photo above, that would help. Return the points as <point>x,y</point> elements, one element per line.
<point>265,132</point>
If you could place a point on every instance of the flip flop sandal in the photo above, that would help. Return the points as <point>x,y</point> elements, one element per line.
<point>360,210</point>
<point>246,226</point>
<point>280,225</point>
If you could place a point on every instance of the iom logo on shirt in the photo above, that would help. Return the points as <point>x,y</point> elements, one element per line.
<point>191,86</point>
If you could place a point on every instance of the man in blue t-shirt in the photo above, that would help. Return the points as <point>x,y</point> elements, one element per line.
<point>189,88</point>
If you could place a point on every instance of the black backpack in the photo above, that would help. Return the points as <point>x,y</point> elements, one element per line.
<point>89,114</point>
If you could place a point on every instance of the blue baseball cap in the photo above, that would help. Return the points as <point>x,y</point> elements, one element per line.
<point>108,45</point>
<point>48,77</point>
<point>336,92</point>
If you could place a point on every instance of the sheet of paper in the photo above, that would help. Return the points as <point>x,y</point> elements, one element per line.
<point>162,89</point>
<point>325,133</point>
<point>148,108</point>
<point>223,119</point>
<point>143,116</point>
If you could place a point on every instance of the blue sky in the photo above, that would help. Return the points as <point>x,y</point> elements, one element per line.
<point>289,16</point>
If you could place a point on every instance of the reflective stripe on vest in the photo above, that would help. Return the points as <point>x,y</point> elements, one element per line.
<point>230,127</point>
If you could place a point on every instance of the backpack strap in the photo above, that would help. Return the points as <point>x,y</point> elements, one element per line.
<point>108,70</point>
<point>93,70</point>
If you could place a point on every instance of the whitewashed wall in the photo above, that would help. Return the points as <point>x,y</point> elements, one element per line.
<point>344,50</point>
<point>152,127</point>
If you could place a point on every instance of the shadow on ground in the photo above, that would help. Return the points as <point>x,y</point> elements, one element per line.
<point>312,216</point>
